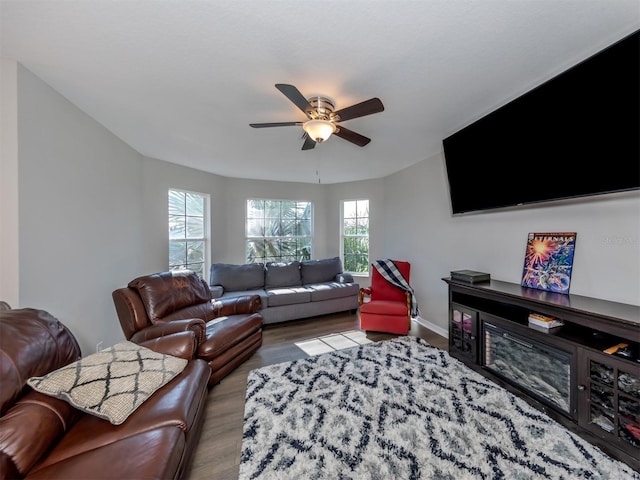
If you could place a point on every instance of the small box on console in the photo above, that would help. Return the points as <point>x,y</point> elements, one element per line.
<point>470,276</point>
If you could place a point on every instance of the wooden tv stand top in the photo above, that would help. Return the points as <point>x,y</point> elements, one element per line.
<point>612,317</point>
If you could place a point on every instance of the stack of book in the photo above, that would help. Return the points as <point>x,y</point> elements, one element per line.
<point>544,321</point>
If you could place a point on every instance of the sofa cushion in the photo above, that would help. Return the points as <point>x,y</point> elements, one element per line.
<point>112,383</point>
<point>279,274</point>
<point>232,278</point>
<point>153,453</point>
<point>385,308</point>
<point>331,290</point>
<point>225,332</point>
<point>319,271</point>
<point>164,293</point>
<point>288,296</point>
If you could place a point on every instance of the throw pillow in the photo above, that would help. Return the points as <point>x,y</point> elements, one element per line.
<point>320,271</point>
<point>234,278</point>
<point>112,383</point>
<point>282,274</point>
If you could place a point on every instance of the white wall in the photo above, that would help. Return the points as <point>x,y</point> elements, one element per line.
<point>607,257</point>
<point>80,211</point>
<point>158,178</point>
<point>93,215</point>
<point>233,205</point>
<point>228,197</point>
<point>9,269</point>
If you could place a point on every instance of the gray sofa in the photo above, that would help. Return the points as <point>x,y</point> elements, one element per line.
<point>288,291</point>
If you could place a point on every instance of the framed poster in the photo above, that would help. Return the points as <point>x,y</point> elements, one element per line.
<point>548,261</point>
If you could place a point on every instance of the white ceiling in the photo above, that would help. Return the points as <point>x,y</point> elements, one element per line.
<point>181,80</point>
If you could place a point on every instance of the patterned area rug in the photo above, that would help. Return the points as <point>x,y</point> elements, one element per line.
<point>402,409</point>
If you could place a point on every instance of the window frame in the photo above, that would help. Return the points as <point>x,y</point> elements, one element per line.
<point>206,231</point>
<point>303,242</point>
<point>344,236</point>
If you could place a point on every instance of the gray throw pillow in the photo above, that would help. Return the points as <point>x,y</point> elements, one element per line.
<point>320,271</point>
<point>280,275</point>
<point>234,278</point>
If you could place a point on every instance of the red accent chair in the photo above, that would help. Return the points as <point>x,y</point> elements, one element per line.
<point>389,307</point>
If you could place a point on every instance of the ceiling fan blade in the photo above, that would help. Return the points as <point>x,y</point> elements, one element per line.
<point>274,124</point>
<point>351,136</point>
<point>368,107</point>
<point>309,143</point>
<point>293,94</point>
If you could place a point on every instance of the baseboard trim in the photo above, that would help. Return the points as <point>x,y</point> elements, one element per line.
<point>431,326</point>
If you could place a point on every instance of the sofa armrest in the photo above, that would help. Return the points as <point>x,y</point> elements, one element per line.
<point>30,428</point>
<point>235,305</point>
<point>179,344</point>
<point>216,291</point>
<point>344,278</point>
<point>197,325</point>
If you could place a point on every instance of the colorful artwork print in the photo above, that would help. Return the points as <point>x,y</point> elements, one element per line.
<point>548,261</point>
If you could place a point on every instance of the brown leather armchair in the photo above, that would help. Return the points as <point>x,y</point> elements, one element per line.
<point>227,331</point>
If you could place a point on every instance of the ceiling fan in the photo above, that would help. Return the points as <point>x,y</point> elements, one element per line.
<point>323,121</point>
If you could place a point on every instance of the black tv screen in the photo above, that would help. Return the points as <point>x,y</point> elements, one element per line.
<point>575,135</point>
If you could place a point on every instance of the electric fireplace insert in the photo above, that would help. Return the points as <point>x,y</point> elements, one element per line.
<point>543,371</point>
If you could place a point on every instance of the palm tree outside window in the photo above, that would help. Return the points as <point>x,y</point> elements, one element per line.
<point>278,230</point>
<point>188,231</point>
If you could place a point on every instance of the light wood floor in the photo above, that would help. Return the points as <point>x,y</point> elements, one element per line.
<point>218,453</point>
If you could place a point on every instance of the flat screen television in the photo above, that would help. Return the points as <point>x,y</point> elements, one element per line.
<point>575,135</point>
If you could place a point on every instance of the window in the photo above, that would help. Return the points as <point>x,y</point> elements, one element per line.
<point>355,236</point>
<point>188,238</point>
<point>278,230</point>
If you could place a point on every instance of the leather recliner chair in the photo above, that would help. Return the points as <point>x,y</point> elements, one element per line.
<point>228,331</point>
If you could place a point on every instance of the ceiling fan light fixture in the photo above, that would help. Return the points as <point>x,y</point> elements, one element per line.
<point>319,130</point>
<point>322,120</point>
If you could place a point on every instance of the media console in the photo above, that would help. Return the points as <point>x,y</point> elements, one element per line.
<point>563,371</point>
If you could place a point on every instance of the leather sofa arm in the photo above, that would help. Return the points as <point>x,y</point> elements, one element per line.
<point>196,325</point>
<point>235,305</point>
<point>216,291</point>
<point>179,344</point>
